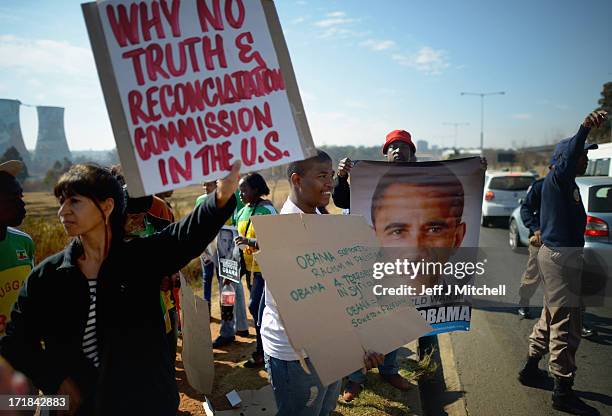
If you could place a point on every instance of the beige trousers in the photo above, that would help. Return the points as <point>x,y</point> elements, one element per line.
<point>531,276</point>
<point>558,329</point>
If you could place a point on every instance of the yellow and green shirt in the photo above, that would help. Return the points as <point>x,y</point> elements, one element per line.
<point>245,228</point>
<point>239,204</point>
<point>16,262</point>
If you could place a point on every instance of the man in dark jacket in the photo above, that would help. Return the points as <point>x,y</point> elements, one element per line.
<point>562,222</point>
<point>530,214</point>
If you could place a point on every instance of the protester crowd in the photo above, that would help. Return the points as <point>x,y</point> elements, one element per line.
<point>100,318</point>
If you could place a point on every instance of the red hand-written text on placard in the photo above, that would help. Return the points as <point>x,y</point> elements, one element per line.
<point>216,157</point>
<point>190,97</point>
<point>141,18</point>
<point>158,139</point>
<point>160,61</point>
<point>245,48</point>
<point>214,17</point>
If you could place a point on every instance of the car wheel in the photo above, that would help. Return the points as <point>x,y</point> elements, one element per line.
<point>484,221</point>
<point>513,236</point>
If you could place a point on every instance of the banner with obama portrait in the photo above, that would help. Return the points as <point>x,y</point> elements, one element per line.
<point>426,217</point>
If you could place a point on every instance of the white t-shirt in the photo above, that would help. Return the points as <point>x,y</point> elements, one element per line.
<point>273,336</point>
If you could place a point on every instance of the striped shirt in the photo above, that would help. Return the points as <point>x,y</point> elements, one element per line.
<point>90,342</point>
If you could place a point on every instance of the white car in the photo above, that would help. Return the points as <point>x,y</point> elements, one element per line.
<point>599,161</point>
<point>502,191</point>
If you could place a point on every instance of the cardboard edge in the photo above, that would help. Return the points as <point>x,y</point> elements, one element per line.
<point>293,93</point>
<point>110,90</point>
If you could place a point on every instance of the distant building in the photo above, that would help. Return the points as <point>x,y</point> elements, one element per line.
<point>422,146</point>
<point>10,130</point>
<point>51,144</point>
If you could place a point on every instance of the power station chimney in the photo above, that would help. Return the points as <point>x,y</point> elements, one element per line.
<point>10,130</point>
<point>51,144</point>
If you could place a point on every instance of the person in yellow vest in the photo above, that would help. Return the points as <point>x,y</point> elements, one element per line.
<point>16,247</point>
<point>253,188</point>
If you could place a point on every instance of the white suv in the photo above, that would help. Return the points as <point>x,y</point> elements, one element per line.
<point>502,191</point>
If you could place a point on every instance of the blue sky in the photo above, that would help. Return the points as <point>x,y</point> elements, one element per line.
<point>363,67</point>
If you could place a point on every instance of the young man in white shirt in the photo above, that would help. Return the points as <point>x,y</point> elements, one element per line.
<point>296,392</point>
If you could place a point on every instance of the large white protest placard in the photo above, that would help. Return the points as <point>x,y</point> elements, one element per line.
<point>193,85</point>
<point>426,212</point>
<point>318,269</point>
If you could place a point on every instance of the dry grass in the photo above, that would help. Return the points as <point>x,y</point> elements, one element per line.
<point>377,398</point>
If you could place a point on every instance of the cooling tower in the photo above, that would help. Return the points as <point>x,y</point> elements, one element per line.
<point>10,130</point>
<point>51,144</point>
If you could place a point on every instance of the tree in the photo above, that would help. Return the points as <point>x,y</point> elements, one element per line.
<point>602,134</point>
<point>13,154</point>
<point>56,171</point>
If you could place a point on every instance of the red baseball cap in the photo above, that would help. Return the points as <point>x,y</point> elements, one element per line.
<point>398,136</point>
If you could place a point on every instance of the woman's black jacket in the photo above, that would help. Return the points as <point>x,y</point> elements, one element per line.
<point>44,337</point>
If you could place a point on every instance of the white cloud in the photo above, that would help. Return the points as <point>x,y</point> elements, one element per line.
<point>337,32</point>
<point>378,45</point>
<point>45,56</point>
<point>338,25</point>
<point>298,20</point>
<point>427,60</point>
<point>334,21</point>
<point>522,116</point>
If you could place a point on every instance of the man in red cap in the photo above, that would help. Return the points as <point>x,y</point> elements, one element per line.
<point>398,147</point>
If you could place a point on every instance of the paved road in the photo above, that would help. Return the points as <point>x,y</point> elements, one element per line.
<point>489,356</point>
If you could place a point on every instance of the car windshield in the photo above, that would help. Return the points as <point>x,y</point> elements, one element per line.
<point>600,198</point>
<point>511,183</point>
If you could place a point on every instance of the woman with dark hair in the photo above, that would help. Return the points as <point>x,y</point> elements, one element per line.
<point>96,306</point>
<point>253,188</point>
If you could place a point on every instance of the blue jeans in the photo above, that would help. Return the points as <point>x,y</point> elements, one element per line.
<point>260,311</point>
<point>388,368</point>
<point>239,320</point>
<point>208,271</point>
<point>297,393</point>
<point>255,297</point>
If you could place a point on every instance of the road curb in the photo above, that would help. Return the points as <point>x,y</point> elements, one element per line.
<point>451,377</point>
<point>441,394</point>
<point>414,395</point>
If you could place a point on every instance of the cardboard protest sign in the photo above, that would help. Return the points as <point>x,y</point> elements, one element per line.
<point>318,269</point>
<point>197,344</point>
<point>228,254</point>
<point>427,214</point>
<point>193,85</point>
